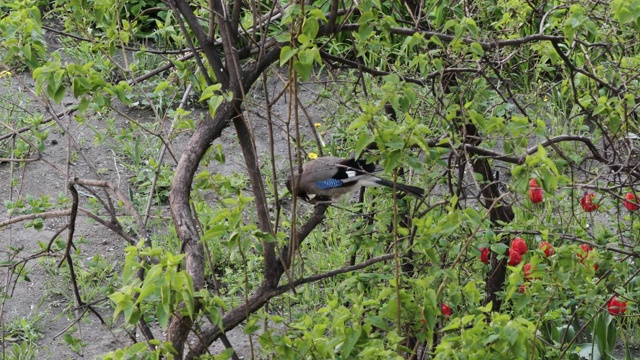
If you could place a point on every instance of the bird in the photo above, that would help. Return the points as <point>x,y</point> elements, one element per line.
<point>332,177</point>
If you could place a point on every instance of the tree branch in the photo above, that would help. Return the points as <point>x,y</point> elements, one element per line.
<point>206,43</point>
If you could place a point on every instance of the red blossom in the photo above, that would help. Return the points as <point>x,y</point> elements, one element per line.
<point>446,310</point>
<point>514,258</point>
<point>584,253</point>
<point>617,307</point>
<point>535,192</point>
<point>484,255</point>
<point>587,202</point>
<point>519,245</point>
<point>547,248</point>
<point>527,271</point>
<point>631,197</point>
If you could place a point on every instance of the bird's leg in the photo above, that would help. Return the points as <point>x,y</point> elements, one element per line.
<point>321,199</point>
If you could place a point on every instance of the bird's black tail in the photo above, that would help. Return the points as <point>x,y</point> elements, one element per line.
<point>360,166</point>
<point>413,190</point>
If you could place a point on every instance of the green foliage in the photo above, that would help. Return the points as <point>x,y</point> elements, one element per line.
<point>141,350</point>
<point>306,53</point>
<point>429,95</point>
<point>499,338</point>
<point>161,291</point>
<point>21,36</point>
<point>335,332</point>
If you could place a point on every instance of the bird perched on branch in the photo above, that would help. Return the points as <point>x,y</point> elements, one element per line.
<point>333,177</point>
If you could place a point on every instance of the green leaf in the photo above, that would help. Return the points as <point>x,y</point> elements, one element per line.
<point>499,248</point>
<point>286,53</point>
<point>214,102</point>
<point>210,91</point>
<point>252,326</point>
<point>303,69</point>
<point>59,94</point>
<point>80,86</point>
<point>352,338</point>
<point>487,308</point>
<point>161,86</point>
<point>283,38</point>
<point>471,292</point>
<point>392,160</point>
<point>453,325</point>
<point>491,338</point>
<point>310,27</point>
<point>163,316</point>
<point>363,141</point>
<point>364,31</point>
<point>477,49</point>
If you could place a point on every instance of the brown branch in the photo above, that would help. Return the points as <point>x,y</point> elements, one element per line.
<point>179,197</point>
<point>263,294</point>
<point>67,251</point>
<point>332,273</point>
<point>207,44</point>
<point>520,159</point>
<point>571,66</point>
<point>116,228</point>
<point>149,50</point>
<point>486,45</point>
<point>286,253</point>
<point>44,215</point>
<point>125,201</point>
<point>185,32</point>
<point>372,71</point>
<point>329,29</point>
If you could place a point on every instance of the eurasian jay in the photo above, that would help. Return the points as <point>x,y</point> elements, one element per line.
<point>333,177</point>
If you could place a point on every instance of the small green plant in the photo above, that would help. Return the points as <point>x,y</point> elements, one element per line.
<point>23,334</point>
<point>76,344</point>
<point>24,351</point>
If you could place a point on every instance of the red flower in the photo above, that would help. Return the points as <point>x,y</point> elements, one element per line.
<point>519,245</point>
<point>484,255</point>
<point>617,307</point>
<point>584,253</point>
<point>514,258</point>
<point>446,310</point>
<point>535,192</point>
<point>547,248</point>
<point>527,271</point>
<point>587,202</point>
<point>631,197</point>
<point>523,289</point>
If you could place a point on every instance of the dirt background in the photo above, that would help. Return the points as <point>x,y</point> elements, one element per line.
<point>45,300</point>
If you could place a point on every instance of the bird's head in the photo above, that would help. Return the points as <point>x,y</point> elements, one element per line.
<point>301,194</point>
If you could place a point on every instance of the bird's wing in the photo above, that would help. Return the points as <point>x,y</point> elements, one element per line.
<point>321,170</point>
<point>331,172</point>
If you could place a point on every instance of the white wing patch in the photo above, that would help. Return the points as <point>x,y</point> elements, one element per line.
<point>351,173</point>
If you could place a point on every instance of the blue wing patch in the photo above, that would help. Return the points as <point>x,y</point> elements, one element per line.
<point>328,184</point>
